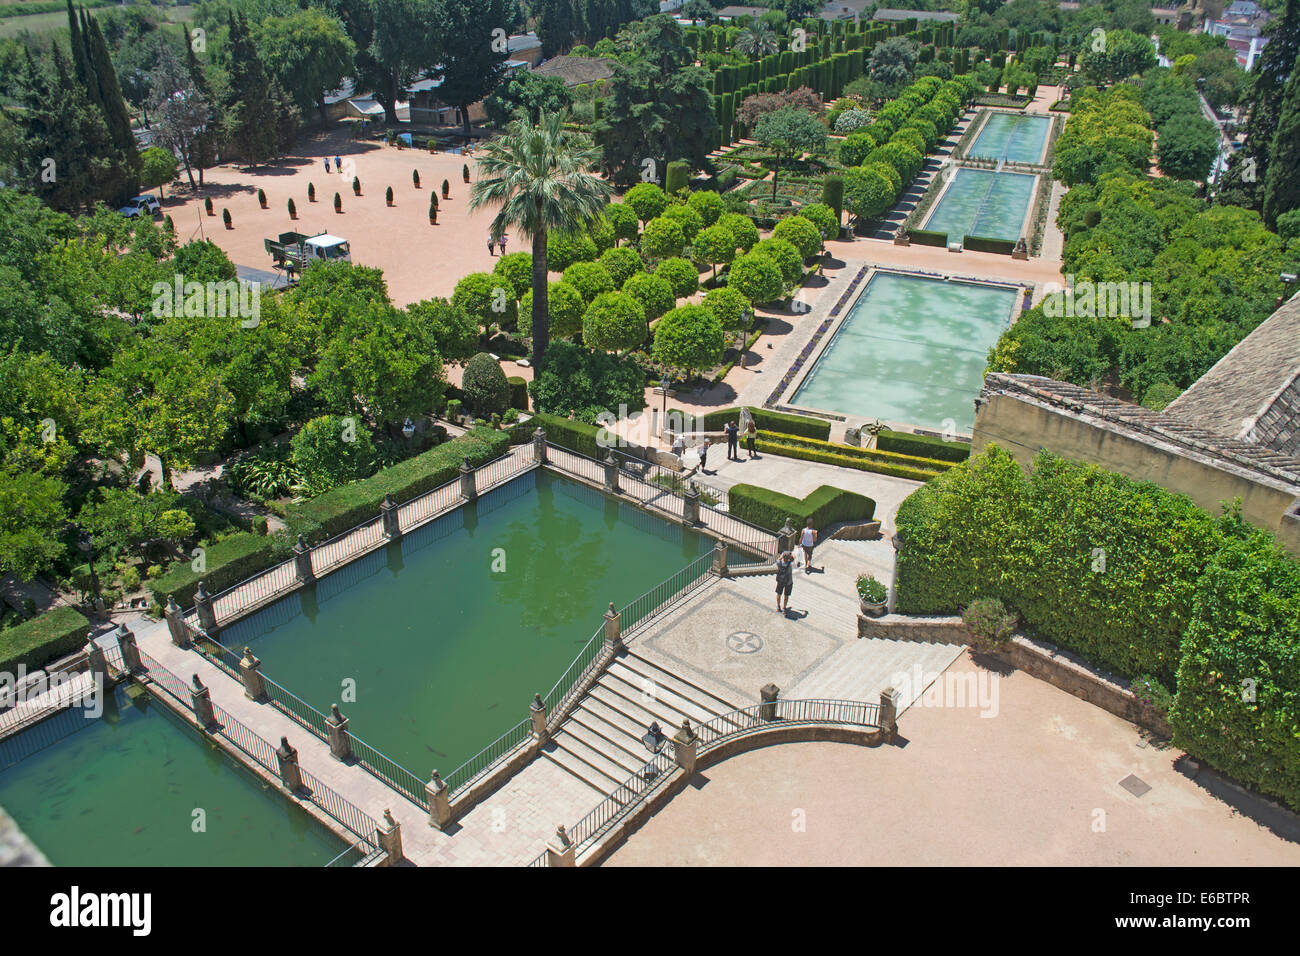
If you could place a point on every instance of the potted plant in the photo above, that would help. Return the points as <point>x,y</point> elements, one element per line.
<point>356,186</point>
<point>388,195</point>
<point>446,189</point>
<point>433,212</point>
<point>293,210</point>
<point>261,198</point>
<point>207,205</point>
<point>311,192</point>
<point>338,203</point>
<point>873,596</point>
<point>415,177</point>
<point>225,217</point>
<point>464,172</point>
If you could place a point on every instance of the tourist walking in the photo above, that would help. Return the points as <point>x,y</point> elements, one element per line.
<point>502,243</point>
<point>679,449</point>
<point>492,244</point>
<point>750,434</point>
<point>733,439</point>
<point>784,579</point>
<point>327,165</point>
<point>807,541</point>
<point>338,164</point>
<point>704,455</point>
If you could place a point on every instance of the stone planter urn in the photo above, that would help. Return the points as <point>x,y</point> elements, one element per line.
<point>872,608</point>
<point>873,597</point>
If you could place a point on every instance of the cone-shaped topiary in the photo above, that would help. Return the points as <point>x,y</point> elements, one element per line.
<point>225,217</point>
<point>446,189</point>
<point>388,195</point>
<point>311,192</point>
<point>415,178</point>
<point>207,205</point>
<point>356,186</point>
<point>261,198</point>
<point>485,386</point>
<point>293,210</point>
<point>464,172</point>
<point>433,211</point>
<point>338,203</point>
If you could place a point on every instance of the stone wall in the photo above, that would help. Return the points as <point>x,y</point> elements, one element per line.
<point>1023,428</point>
<point>1039,659</point>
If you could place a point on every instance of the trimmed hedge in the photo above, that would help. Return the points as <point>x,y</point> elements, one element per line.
<point>826,505</point>
<point>575,436</point>
<point>227,562</point>
<point>881,463</point>
<point>987,244</point>
<point>518,392</point>
<point>47,637</point>
<point>922,446</point>
<point>771,421</point>
<point>924,237</point>
<point>341,508</point>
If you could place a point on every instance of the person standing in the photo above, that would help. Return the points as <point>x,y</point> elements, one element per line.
<point>784,579</point>
<point>338,164</point>
<point>502,243</point>
<point>733,439</point>
<point>807,541</point>
<point>679,448</point>
<point>492,244</point>
<point>327,165</point>
<point>704,456</point>
<point>751,433</point>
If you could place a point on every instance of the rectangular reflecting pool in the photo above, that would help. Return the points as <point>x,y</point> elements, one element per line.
<point>981,202</point>
<point>435,646</point>
<point>911,350</point>
<point>131,788</point>
<point>1016,137</point>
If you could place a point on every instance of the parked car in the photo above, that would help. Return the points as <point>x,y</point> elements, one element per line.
<point>141,205</point>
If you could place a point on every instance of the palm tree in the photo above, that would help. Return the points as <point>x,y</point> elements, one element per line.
<point>541,177</point>
<point>756,41</point>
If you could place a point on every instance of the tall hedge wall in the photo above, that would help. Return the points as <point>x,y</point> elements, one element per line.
<point>226,563</point>
<point>43,639</point>
<point>341,508</point>
<point>575,436</point>
<point>771,421</point>
<point>922,446</point>
<point>826,505</point>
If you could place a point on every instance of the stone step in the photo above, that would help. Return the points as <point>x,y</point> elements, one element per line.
<point>629,701</point>
<point>584,762</point>
<point>622,748</point>
<point>642,686</point>
<point>615,718</point>
<point>646,668</point>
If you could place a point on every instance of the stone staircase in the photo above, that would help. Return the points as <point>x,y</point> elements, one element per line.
<point>861,670</point>
<point>600,741</point>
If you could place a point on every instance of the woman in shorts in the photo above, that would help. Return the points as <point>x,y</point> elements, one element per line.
<point>784,579</point>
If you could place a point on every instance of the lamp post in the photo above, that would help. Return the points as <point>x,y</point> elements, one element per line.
<point>654,741</point>
<point>663,388</point>
<point>747,319</point>
<point>823,232</point>
<point>408,429</point>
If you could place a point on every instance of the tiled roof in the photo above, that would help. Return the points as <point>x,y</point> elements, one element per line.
<point>1146,425</point>
<point>575,70</point>
<point>1253,392</point>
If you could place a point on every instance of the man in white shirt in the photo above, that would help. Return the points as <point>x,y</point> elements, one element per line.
<point>807,541</point>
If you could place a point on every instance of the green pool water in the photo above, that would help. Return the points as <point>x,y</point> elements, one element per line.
<point>121,790</point>
<point>1012,136</point>
<point>448,635</point>
<point>981,202</point>
<point>911,350</point>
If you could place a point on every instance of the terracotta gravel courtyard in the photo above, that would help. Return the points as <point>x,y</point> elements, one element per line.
<point>1024,788</point>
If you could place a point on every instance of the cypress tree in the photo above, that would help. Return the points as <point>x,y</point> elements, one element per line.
<point>1282,180</point>
<point>250,117</point>
<point>78,45</point>
<point>112,102</point>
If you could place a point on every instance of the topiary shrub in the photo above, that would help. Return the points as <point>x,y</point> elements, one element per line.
<point>825,506</point>
<point>785,256</point>
<point>563,249</point>
<point>653,292</point>
<point>518,394</point>
<point>485,387</point>
<point>989,623</point>
<point>261,197</point>
<point>225,218</point>
<point>742,227</point>
<point>681,275</point>
<point>590,279</point>
<point>622,262</point>
<point>331,450</point>
<point>516,268</point>
<point>801,233</point>
<point>614,322</point>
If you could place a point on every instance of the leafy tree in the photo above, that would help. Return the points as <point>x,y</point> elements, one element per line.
<point>742,228</point>
<point>308,52</point>
<point>123,519</point>
<point>182,113</point>
<point>715,246</point>
<point>756,42</point>
<point>453,330</point>
<point>157,167</point>
<point>486,390</point>
<point>332,450</point>
<point>686,217</point>
<point>802,233</point>
<point>1282,182</point>
<point>647,200</point>
<point>541,178</point>
<point>892,61</point>
<point>658,40</point>
<point>516,268</point>
<point>250,122</point>
<point>756,106</point>
<point>756,277</point>
<point>708,204</point>
<point>681,275</point>
<point>397,41</point>
<point>787,131</point>
<point>614,322</point>
<point>823,219</point>
<point>565,247</point>
<point>731,309</point>
<point>662,238</point>
<point>527,95</point>
<point>622,263</point>
<point>785,256</point>
<point>655,115</point>
<point>867,192</point>
<point>652,291</point>
<point>584,383</point>
<point>566,308</point>
<point>489,299</point>
<point>624,221</point>
<point>470,67</point>
<point>590,279</point>
<point>32,516</point>
<point>1123,54</point>
<point>689,337</point>
<point>1186,148</point>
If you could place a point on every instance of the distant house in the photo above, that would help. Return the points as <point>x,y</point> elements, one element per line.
<point>887,14</point>
<point>428,110</point>
<point>577,70</point>
<point>524,47</point>
<point>731,12</point>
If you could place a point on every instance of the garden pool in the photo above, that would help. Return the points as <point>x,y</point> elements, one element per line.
<point>446,635</point>
<point>911,350</point>
<point>122,790</point>
<point>982,202</point>
<point>1012,136</point>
